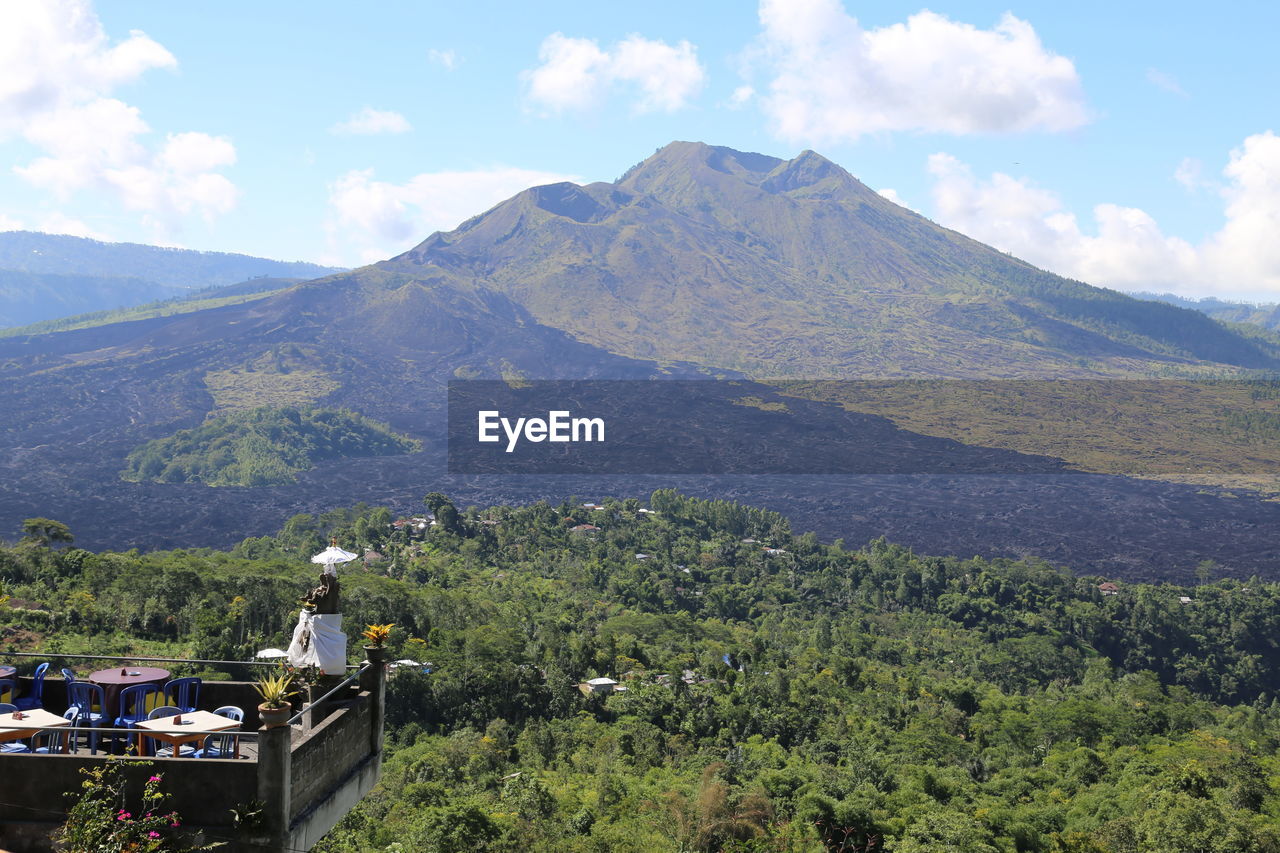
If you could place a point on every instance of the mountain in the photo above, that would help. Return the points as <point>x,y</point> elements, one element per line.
<point>795,268</point>
<point>46,276</point>
<point>699,262</point>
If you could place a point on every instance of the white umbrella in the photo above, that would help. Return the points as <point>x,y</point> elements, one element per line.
<point>407,662</point>
<point>331,557</point>
<point>333,554</point>
<point>272,653</point>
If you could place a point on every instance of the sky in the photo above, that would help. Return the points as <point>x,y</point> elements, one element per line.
<point>1130,145</point>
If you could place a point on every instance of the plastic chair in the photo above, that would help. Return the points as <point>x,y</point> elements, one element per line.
<point>223,745</point>
<point>82,695</point>
<point>133,705</point>
<point>183,692</point>
<point>54,740</point>
<point>165,751</point>
<point>34,699</point>
<point>8,685</point>
<point>7,707</point>
<point>68,676</point>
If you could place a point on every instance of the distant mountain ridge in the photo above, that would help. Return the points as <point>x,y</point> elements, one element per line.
<point>46,276</point>
<point>1264,314</point>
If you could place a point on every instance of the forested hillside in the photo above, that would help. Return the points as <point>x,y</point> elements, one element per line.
<point>781,693</point>
<point>262,446</point>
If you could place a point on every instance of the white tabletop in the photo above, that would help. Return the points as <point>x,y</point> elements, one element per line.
<point>36,718</point>
<point>193,723</point>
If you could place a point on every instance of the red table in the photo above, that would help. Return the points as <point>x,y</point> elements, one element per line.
<point>113,682</point>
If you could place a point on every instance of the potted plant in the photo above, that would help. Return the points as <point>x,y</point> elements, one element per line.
<point>275,691</point>
<point>375,649</point>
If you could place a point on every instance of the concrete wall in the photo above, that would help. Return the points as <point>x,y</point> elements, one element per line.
<point>321,760</point>
<point>33,792</point>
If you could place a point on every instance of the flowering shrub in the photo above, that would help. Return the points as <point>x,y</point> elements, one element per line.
<point>101,821</point>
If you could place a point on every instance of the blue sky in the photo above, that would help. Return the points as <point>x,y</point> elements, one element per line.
<point>1130,145</point>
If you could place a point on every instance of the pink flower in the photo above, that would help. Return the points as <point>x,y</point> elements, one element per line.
<point>153,834</point>
<point>154,779</point>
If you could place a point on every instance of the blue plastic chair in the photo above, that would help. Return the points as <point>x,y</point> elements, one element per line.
<point>83,695</point>
<point>34,699</point>
<point>11,745</point>
<point>67,675</point>
<point>184,693</point>
<point>8,685</point>
<point>54,740</point>
<point>148,743</point>
<point>133,705</point>
<point>223,745</point>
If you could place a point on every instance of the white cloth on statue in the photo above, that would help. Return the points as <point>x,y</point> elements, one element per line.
<point>318,641</point>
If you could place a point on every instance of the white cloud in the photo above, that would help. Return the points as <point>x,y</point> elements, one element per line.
<point>575,73</point>
<point>57,223</point>
<point>1188,173</point>
<point>370,121</point>
<point>1245,252</point>
<point>1164,80</point>
<point>833,80</point>
<point>1127,249</point>
<point>892,195</point>
<point>447,59</point>
<point>741,96</point>
<point>57,71</point>
<point>371,220</point>
<point>54,223</point>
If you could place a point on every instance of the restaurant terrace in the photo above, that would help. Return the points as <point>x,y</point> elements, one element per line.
<point>237,780</point>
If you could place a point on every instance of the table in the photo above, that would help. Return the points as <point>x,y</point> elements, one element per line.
<point>31,724</point>
<point>113,682</point>
<point>196,726</point>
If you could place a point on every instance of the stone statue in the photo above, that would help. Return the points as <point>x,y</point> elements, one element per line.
<point>324,598</point>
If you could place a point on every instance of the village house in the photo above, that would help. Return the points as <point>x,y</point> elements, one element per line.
<point>598,686</point>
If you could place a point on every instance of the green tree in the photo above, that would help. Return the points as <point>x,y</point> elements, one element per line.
<point>46,532</point>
